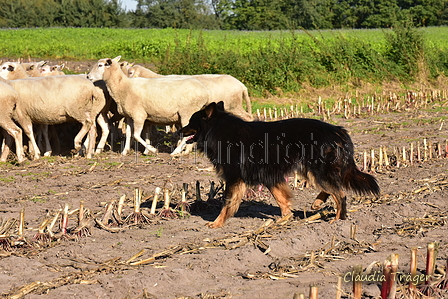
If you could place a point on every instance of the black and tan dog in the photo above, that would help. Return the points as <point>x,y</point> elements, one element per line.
<point>254,153</point>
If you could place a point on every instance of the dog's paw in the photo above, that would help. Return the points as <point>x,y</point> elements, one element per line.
<point>214,224</point>
<point>317,204</point>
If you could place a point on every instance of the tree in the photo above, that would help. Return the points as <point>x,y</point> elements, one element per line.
<point>257,15</point>
<point>194,14</point>
<point>312,14</point>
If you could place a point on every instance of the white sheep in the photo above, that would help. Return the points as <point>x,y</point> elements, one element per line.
<point>51,70</point>
<point>158,100</point>
<point>8,101</point>
<point>222,88</point>
<point>33,69</point>
<point>14,71</point>
<point>55,100</point>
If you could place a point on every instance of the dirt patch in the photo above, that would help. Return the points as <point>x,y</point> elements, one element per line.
<point>256,255</point>
<point>184,259</point>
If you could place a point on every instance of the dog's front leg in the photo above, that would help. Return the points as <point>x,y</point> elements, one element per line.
<point>282,195</point>
<point>321,198</point>
<point>234,195</point>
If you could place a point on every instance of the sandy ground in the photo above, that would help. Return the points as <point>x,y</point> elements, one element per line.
<point>253,256</point>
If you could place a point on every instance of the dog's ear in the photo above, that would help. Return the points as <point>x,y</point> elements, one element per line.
<point>210,109</point>
<point>220,105</point>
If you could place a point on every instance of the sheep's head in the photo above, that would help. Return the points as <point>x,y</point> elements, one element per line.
<point>97,72</point>
<point>7,68</point>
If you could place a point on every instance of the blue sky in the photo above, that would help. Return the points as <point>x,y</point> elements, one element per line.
<point>129,4</point>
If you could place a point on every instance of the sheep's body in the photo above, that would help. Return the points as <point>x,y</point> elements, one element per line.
<point>8,101</point>
<point>222,88</point>
<point>55,100</point>
<point>163,101</point>
<point>14,71</point>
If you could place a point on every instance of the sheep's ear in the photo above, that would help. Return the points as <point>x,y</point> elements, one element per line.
<point>11,68</point>
<point>108,62</point>
<point>116,59</point>
<point>210,110</point>
<point>62,66</point>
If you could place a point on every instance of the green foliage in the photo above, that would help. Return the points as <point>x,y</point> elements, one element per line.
<point>65,13</point>
<point>194,14</point>
<point>277,62</point>
<point>405,48</point>
<point>223,14</point>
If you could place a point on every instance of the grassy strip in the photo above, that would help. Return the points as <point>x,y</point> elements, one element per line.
<point>273,62</point>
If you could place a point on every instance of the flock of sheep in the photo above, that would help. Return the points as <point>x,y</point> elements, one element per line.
<point>35,95</point>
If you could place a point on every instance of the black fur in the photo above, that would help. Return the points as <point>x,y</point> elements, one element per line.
<point>265,152</point>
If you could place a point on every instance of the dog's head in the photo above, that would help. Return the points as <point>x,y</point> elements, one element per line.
<point>199,121</point>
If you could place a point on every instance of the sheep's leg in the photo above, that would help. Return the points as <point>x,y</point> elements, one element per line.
<point>91,141</point>
<point>127,145</point>
<point>5,148</point>
<point>178,150</point>
<point>138,127</point>
<point>28,129</point>
<point>16,133</point>
<point>44,130</point>
<point>147,132</point>
<point>104,124</point>
<point>86,125</point>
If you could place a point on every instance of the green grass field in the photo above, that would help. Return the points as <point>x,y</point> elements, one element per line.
<point>149,44</point>
<point>264,61</point>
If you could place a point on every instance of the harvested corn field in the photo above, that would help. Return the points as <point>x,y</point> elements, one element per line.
<point>78,228</point>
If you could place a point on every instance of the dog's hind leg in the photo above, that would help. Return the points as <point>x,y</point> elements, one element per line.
<point>321,198</point>
<point>234,195</point>
<point>341,205</point>
<point>282,195</point>
<point>340,201</point>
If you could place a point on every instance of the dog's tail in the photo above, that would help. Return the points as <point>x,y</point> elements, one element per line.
<point>360,182</point>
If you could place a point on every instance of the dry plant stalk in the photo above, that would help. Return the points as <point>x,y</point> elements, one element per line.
<point>167,212</point>
<point>339,288</point>
<point>53,223</point>
<point>298,296</point>
<point>425,150</point>
<point>137,216</point>
<point>184,205</point>
<point>385,286</point>
<point>41,237</point>
<point>120,205</point>
<point>413,267</point>
<point>393,276</point>
<point>353,228</point>
<point>314,292</point>
<point>386,158</point>
<point>154,201</point>
<point>108,215</point>
<point>296,179</point>
<point>419,155</point>
<point>64,220</point>
<point>21,222</point>
<point>431,260</point>
<point>357,283</point>
<point>365,161</point>
<point>83,228</point>
<point>380,159</point>
<point>404,154</point>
